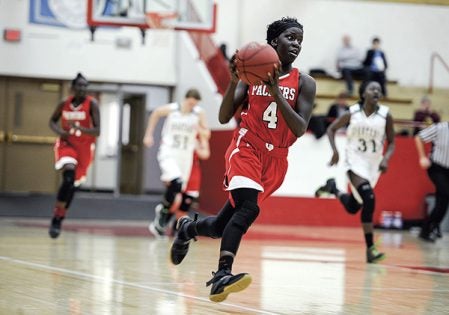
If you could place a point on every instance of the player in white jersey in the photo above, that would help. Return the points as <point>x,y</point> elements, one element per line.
<point>365,142</point>
<point>369,125</point>
<point>175,155</point>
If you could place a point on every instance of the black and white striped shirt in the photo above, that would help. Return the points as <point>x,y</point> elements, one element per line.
<point>438,134</point>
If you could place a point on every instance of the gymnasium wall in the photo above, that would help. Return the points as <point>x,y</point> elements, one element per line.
<point>403,188</point>
<point>409,32</point>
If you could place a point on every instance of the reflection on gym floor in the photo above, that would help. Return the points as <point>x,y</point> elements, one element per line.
<point>99,267</point>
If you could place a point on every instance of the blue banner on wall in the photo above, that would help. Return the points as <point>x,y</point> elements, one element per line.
<point>61,13</point>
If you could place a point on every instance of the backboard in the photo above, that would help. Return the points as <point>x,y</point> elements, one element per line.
<point>193,15</point>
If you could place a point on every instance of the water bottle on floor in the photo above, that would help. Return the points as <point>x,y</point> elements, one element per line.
<point>387,219</point>
<point>397,220</point>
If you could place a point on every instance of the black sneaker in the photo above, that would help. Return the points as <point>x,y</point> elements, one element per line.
<point>55,227</point>
<point>329,188</point>
<point>437,231</point>
<point>373,255</point>
<point>426,236</point>
<point>180,246</point>
<point>224,283</point>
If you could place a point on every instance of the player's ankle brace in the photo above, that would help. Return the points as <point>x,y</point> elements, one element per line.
<point>225,262</point>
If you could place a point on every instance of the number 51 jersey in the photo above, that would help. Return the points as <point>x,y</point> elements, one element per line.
<point>178,141</point>
<point>365,142</point>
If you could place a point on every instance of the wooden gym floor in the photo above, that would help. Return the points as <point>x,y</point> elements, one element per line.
<point>110,267</point>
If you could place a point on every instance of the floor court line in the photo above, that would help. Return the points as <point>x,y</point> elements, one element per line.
<point>421,269</point>
<point>124,283</point>
<point>149,288</point>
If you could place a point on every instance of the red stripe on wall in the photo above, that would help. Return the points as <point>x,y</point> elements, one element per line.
<point>403,188</point>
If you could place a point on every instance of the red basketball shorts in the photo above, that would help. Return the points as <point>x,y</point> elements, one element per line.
<point>79,153</point>
<point>252,165</point>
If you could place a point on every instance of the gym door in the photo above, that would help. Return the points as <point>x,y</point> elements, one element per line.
<point>133,129</point>
<point>26,141</point>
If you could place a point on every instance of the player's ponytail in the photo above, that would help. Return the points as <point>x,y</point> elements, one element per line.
<point>78,77</point>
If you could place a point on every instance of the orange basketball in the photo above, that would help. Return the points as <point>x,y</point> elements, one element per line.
<point>254,61</point>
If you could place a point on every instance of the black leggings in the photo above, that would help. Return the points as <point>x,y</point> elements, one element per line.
<point>213,226</point>
<point>352,206</point>
<point>219,225</point>
<point>440,178</point>
<point>67,189</point>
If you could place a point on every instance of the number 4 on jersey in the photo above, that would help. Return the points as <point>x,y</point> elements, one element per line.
<point>269,115</point>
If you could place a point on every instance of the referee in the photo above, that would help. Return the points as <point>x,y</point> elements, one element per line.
<point>438,170</point>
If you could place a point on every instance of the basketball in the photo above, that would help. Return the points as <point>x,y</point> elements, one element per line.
<point>254,61</point>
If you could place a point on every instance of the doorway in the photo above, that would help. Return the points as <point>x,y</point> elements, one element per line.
<point>133,130</point>
<point>26,141</point>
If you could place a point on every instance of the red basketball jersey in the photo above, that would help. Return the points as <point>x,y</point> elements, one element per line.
<point>79,115</point>
<point>262,116</point>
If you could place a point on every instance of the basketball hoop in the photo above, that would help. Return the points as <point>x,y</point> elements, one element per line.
<point>161,20</point>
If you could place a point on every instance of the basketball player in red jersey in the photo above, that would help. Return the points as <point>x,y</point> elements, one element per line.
<point>277,114</point>
<point>77,122</point>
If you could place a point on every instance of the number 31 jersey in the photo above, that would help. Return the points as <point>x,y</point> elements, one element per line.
<point>264,118</point>
<point>365,142</point>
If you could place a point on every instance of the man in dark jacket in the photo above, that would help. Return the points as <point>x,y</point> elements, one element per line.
<point>376,65</point>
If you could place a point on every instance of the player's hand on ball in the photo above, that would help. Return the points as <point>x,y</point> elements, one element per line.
<point>233,68</point>
<point>254,61</point>
<point>273,80</point>
<point>75,129</point>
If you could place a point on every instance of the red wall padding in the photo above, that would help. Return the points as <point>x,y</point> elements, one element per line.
<point>402,188</point>
<point>212,195</point>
